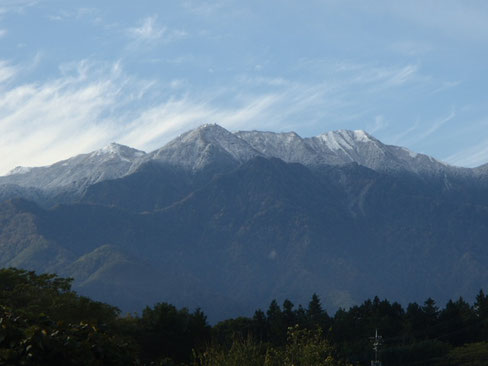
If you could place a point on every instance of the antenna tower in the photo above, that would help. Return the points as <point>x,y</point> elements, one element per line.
<point>377,341</point>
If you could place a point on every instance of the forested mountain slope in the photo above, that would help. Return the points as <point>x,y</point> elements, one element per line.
<point>230,221</point>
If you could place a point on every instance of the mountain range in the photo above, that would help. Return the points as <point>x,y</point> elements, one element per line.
<point>228,221</point>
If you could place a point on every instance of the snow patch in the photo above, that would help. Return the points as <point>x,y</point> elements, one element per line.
<point>19,170</point>
<point>362,136</point>
<point>410,152</point>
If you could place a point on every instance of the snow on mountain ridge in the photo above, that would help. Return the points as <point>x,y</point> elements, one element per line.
<point>346,139</point>
<point>287,146</point>
<point>212,144</point>
<point>19,170</point>
<point>197,148</point>
<point>341,147</point>
<point>117,151</point>
<point>109,162</point>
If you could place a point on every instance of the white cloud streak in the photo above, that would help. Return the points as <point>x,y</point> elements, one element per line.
<point>411,48</point>
<point>43,123</point>
<point>16,6</point>
<point>379,124</point>
<point>90,105</point>
<point>348,73</point>
<point>472,157</point>
<point>437,125</point>
<point>150,31</point>
<point>7,71</point>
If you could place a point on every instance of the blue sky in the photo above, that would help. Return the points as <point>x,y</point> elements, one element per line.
<point>77,75</point>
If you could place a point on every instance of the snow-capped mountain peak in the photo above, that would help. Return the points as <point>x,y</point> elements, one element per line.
<point>211,144</point>
<point>117,151</point>
<point>112,161</point>
<point>341,147</point>
<point>346,139</point>
<point>287,146</point>
<point>19,170</point>
<point>204,145</point>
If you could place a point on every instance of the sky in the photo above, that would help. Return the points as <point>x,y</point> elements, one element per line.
<point>78,75</point>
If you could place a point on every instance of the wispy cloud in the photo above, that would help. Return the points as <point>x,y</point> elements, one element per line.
<point>156,125</point>
<point>3,33</point>
<point>379,79</point>
<point>411,48</point>
<point>472,157</point>
<point>378,125</point>
<point>90,105</point>
<point>437,125</point>
<point>350,73</point>
<point>150,31</point>
<point>7,71</point>
<point>16,6</point>
<point>402,76</point>
<point>446,85</point>
<point>419,131</point>
<point>399,138</point>
<point>63,15</point>
<point>43,123</point>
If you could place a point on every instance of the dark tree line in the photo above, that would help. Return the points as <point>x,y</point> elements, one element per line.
<point>43,322</point>
<point>420,334</point>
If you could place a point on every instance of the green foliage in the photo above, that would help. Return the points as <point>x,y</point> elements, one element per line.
<point>243,352</point>
<point>165,331</point>
<point>421,353</point>
<point>226,331</point>
<point>474,354</point>
<point>43,322</point>
<point>31,294</point>
<point>43,342</point>
<point>457,323</point>
<point>481,312</point>
<point>316,315</point>
<point>304,347</point>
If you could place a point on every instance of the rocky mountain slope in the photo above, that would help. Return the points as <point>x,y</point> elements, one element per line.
<point>211,149</point>
<point>230,221</point>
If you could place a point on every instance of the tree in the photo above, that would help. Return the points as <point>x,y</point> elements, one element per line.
<point>31,293</point>
<point>316,315</point>
<point>431,318</point>
<point>165,331</point>
<point>259,332</point>
<point>289,315</point>
<point>481,312</point>
<point>304,347</point>
<point>457,323</point>
<point>276,324</point>
<point>43,322</point>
